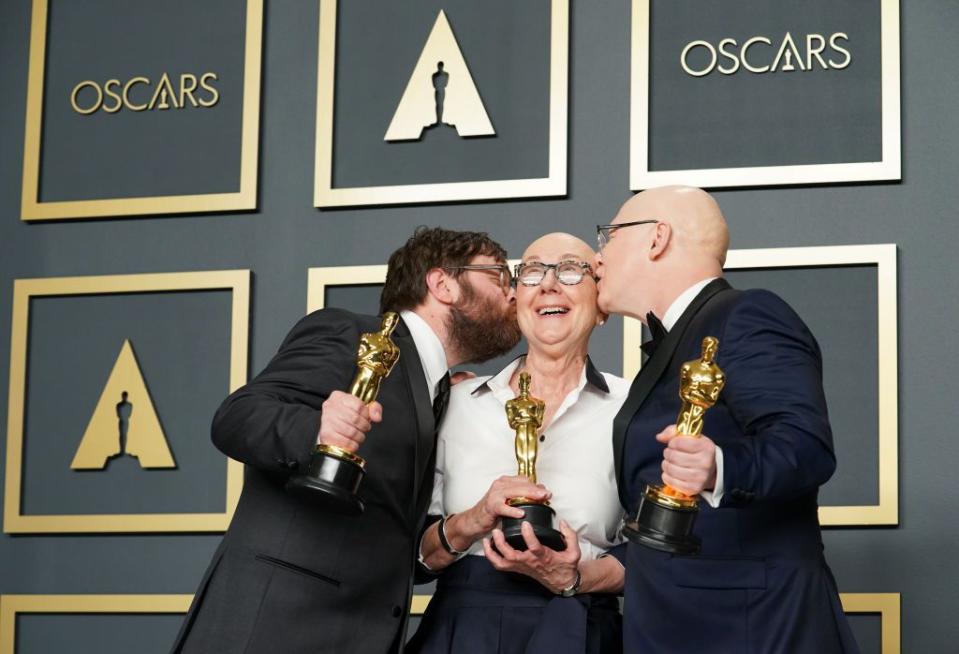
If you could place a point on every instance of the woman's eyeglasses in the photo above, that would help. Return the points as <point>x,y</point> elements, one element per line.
<point>569,273</point>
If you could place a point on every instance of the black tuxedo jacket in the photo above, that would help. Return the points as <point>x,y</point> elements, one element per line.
<point>761,583</point>
<point>288,576</point>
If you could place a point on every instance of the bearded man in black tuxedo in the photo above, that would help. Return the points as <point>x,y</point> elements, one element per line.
<point>290,576</point>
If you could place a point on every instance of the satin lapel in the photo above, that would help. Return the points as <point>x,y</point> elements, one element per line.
<point>422,405</point>
<point>650,373</point>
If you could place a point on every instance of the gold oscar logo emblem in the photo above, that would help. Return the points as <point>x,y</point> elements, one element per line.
<point>440,92</point>
<point>124,422</point>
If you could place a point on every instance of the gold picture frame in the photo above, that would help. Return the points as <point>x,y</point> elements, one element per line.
<point>326,195</point>
<point>237,281</point>
<point>641,177</point>
<point>886,512</point>
<point>244,199</point>
<point>888,605</point>
<point>889,608</point>
<point>13,605</point>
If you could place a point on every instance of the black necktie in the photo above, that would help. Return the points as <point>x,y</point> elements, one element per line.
<point>657,331</point>
<point>442,399</point>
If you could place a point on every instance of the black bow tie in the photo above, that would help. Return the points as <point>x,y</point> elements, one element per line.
<point>442,399</point>
<point>657,331</point>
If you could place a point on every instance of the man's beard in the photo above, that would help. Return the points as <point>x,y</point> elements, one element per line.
<point>479,329</point>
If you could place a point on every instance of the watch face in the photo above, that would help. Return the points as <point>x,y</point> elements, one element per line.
<point>572,590</point>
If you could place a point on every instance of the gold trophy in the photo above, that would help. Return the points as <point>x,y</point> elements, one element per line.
<point>525,415</point>
<point>666,516</point>
<point>335,474</point>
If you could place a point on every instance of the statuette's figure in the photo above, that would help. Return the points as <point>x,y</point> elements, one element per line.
<point>700,382</point>
<point>525,414</point>
<point>375,358</point>
<point>440,79</point>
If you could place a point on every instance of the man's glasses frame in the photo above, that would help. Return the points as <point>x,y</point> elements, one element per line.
<point>604,233</point>
<point>505,279</point>
<point>573,274</point>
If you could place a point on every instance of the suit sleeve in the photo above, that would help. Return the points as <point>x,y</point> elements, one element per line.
<point>774,392</point>
<point>272,423</point>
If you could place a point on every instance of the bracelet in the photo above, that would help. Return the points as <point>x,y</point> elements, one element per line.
<point>444,541</point>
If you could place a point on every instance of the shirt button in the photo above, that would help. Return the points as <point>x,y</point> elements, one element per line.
<point>397,611</point>
<point>542,438</point>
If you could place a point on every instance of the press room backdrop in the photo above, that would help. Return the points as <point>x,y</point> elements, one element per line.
<point>180,181</point>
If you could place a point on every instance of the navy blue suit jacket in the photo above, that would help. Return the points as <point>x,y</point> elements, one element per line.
<point>761,583</point>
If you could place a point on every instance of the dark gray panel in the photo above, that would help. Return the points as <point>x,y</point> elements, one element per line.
<point>839,305</point>
<point>149,153</point>
<point>182,344</point>
<point>506,46</point>
<point>769,119</point>
<point>96,633</point>
<point>867,628</point>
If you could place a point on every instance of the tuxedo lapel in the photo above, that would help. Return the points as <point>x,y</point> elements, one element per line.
<point>650,373</point>
<point>422,404</point>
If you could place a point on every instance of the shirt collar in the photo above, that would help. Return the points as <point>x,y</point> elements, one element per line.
<point>429,347</point>
<point>681,303</point>
<point>500,381</point>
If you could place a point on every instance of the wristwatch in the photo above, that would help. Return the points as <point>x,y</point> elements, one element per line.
<point>573,588</point>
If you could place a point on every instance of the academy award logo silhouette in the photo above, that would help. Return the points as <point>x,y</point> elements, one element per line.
<point>124,422</point>
<point>440,92</point>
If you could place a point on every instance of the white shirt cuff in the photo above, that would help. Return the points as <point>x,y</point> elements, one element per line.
<point>419,554</point>
<point>715,496</point>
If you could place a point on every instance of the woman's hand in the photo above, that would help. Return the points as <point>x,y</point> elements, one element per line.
<point>555,570</point>
<point>484,516</point>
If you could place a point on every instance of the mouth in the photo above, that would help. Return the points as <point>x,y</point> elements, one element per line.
<point>552,311</point>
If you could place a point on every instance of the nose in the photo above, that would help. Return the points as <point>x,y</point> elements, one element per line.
<point>549,281</point>
<point>599,265</point>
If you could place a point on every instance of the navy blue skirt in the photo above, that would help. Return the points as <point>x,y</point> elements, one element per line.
<point>480,610</point>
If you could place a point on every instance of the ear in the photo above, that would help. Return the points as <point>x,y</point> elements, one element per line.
<point>662,235</point>
<point>441,286</point>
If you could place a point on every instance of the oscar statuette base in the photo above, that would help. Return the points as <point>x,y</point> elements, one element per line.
<point>332,481</point>
<point>664,523</point>
<point>540,517</point>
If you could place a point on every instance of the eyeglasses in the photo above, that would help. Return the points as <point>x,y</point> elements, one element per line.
<point>505,280</point>
<point>567,272</point>
<point>604,233</point>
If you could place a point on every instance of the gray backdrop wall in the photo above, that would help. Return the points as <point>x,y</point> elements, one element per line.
<point>286,235</point>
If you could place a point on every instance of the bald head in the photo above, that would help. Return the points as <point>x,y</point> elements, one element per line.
<point>558,246</point>
<point>697,223</point>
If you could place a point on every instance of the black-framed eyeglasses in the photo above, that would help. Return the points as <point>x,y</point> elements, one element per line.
<point>505,280</point>
<point>605,232</point>
<point>569,272</point>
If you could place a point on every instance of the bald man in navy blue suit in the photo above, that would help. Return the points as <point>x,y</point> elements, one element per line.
<point>760,583</point>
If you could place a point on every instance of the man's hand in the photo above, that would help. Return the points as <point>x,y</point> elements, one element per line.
<point>346,419</point>
<point>689,463</point>
<point>555,570</point>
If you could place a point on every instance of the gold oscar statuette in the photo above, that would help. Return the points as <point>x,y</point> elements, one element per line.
<point>525,416</point>
<point>335,474</point>
<point>666,515</point>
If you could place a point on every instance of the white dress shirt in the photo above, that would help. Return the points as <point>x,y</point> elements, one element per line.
<point>575,455</point>
<point>671,317</point>
<point>429,347</point>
